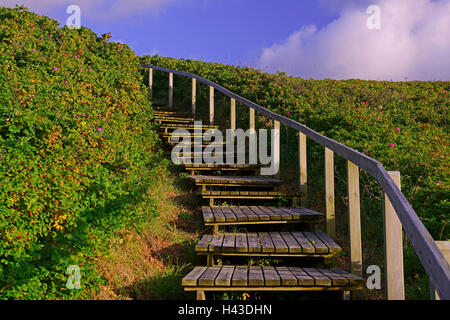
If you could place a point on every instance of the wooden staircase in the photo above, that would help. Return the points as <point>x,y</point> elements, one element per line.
<point>242,183</point>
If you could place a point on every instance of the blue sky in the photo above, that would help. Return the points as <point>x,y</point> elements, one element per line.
<point>308,38</point>
<point>229,31</point>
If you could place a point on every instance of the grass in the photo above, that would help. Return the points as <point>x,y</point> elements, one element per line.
<point>150,263</point>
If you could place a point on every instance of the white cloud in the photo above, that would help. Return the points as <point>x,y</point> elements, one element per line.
<point>100,9</point>
<point>413,43</point>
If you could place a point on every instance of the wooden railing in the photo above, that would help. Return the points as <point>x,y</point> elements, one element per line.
<point>398,213</point>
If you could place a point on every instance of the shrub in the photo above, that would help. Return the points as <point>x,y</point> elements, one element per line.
<point>77,150</point>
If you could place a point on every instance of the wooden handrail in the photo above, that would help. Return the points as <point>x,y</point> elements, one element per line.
<point>429,254</point>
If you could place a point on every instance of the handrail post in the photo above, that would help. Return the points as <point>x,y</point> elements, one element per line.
<point>194,96</point>
<point>170,90</point>
<point>444,246</point>
<point>329,193</point>
<point>211,104</point>
<point>233,114</point>
<point>252,119</point>
<point>393,248</point>
<point>303,174</point>
<point>354,220</point>
<point>150,83</point>
<point>276,149</point>
<point>253,140</point>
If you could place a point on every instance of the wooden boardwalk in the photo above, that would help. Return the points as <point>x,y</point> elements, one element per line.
<point>398,214</point>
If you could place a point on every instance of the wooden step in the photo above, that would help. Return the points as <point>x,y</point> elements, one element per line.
<point>233,215</point>
<point>234,180</point>
<point>276,244</point>
<point>192,135</point>
<point>192,168</point>
<point>193,143</point>
<point>169,127</point>
<point>222,167</point>
<point>249,195</point>
<point>171,113</point>
<point>161,120</point>
<point>266,278</point>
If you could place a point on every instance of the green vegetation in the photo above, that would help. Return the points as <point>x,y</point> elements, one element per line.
<point>82,181</point>
<point>77,153</point>
<point>401,124</point>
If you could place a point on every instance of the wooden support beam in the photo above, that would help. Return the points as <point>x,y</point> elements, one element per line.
<point>354,220</point>
<point>329,193</point>
<point>276,150</point>
<point>252,119</point>
<point>170,90</point>
<point>211,105</point>
<point>233,114</point>
<point>201,295</point>
<point>393,248</point>
<point>444,246</point>
<point>194,96</point>
<point>303,173</point>
<point>150,83</point>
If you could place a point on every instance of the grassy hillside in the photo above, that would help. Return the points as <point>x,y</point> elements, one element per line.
<point>401,124</point>
<point>77,152</point>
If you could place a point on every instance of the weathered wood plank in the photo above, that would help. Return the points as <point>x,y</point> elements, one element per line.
<point>303,174</point>
<point>329,193</point>
<point>240,216</point>
<point>303,278</point>
<point>208,277</point>
<point>353,279</point>
<point>216,242</point>
<point>279,214</point>
<point>229,241</point>
<point>241,242</point>
<point>304,243</point>
<point>255,276</point>
<point>192,277</point>
<point>266,242</point>
<point>333,247</point>
<point>286,276</point>
<point>211,104</point>
<point>354,221</point>
<point>249,213</point>
<point>203,244</point>
<point>233,114</point>
<point>293,245</point>
<point>262,216</point>
<point>393,248</point>
<point>319,278</point>
<point>208,216</point>
<point>336,278</point>
<point>218,214</point>
<point>253,242</point>
<point>271,278</point>
<point>239,276</point>
<point>229,215</point>
<point>224,277</point>
<point>278,242</point>
<point>170,89</point>
<point>271,213</point>
<point>150,83</point>
<point>276,147</point>
<point>194,96</point>
<point>316,242</point>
